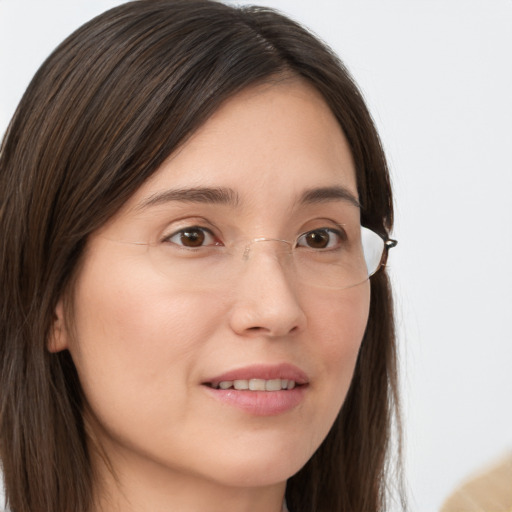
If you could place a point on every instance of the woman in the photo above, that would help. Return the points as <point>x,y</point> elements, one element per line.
<point>187,320</point>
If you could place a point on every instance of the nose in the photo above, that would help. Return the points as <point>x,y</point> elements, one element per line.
<point>266,299</point>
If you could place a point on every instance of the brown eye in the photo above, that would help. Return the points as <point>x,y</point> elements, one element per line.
<point>317,239</point>
<point>324,238</point>
<point>192,237</point>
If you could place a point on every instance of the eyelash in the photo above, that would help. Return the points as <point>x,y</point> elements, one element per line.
<point>340,234</point>
<point>196,230</point>
<point>201,234</point>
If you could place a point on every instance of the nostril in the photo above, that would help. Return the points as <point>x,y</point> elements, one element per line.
<point>267,331</point>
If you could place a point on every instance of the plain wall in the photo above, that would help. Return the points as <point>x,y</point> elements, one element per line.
<point>437,76</point>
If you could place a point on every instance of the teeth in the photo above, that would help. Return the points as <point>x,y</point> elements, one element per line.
<point>256,384</point>
<point>273,385</point>
<point>241,384</point>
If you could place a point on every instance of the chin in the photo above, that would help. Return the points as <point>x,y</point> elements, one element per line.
<point>265,468</point>
<point>256,475</point>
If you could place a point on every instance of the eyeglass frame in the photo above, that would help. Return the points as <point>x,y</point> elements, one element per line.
<point>388,243</point>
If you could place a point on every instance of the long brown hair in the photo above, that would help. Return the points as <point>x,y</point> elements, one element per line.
<point>104,111</point>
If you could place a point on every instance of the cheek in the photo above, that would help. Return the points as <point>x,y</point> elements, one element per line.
<point>341,322</point>
<point>135,337</point>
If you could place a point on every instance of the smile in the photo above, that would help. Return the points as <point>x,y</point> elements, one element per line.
<point>255,384</point>
<point>260,389</point>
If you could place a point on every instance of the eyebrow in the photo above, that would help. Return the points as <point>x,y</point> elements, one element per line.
<point>327,194</point>
<point>228,196</point>
<point>193,195</point>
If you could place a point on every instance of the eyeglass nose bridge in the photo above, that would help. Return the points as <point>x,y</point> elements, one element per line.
<point>250,243</point>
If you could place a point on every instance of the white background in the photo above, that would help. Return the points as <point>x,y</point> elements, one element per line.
<point>437,76</point>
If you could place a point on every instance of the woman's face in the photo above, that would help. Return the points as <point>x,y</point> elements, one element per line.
<point>157,328</point>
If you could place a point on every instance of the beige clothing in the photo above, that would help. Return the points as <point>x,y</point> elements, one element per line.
<point>488,491</point>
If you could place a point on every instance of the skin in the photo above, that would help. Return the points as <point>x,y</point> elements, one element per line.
<point>143,343</point>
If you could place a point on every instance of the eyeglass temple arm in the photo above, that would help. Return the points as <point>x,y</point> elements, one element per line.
<point>388,244</point>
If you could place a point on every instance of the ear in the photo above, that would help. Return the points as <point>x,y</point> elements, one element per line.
<point>58,339</point>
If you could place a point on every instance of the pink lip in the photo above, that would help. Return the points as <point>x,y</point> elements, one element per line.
<point>261,403</point>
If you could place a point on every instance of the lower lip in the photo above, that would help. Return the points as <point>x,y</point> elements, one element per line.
<point>261,403</point>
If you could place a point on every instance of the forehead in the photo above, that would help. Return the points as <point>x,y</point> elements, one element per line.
<point>267,144</point>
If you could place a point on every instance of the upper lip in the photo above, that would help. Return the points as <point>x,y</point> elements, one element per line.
<point>262,371</point>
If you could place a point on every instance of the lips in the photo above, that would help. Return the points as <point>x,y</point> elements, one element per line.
<point>260,377</point>
<point>260,390</point>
